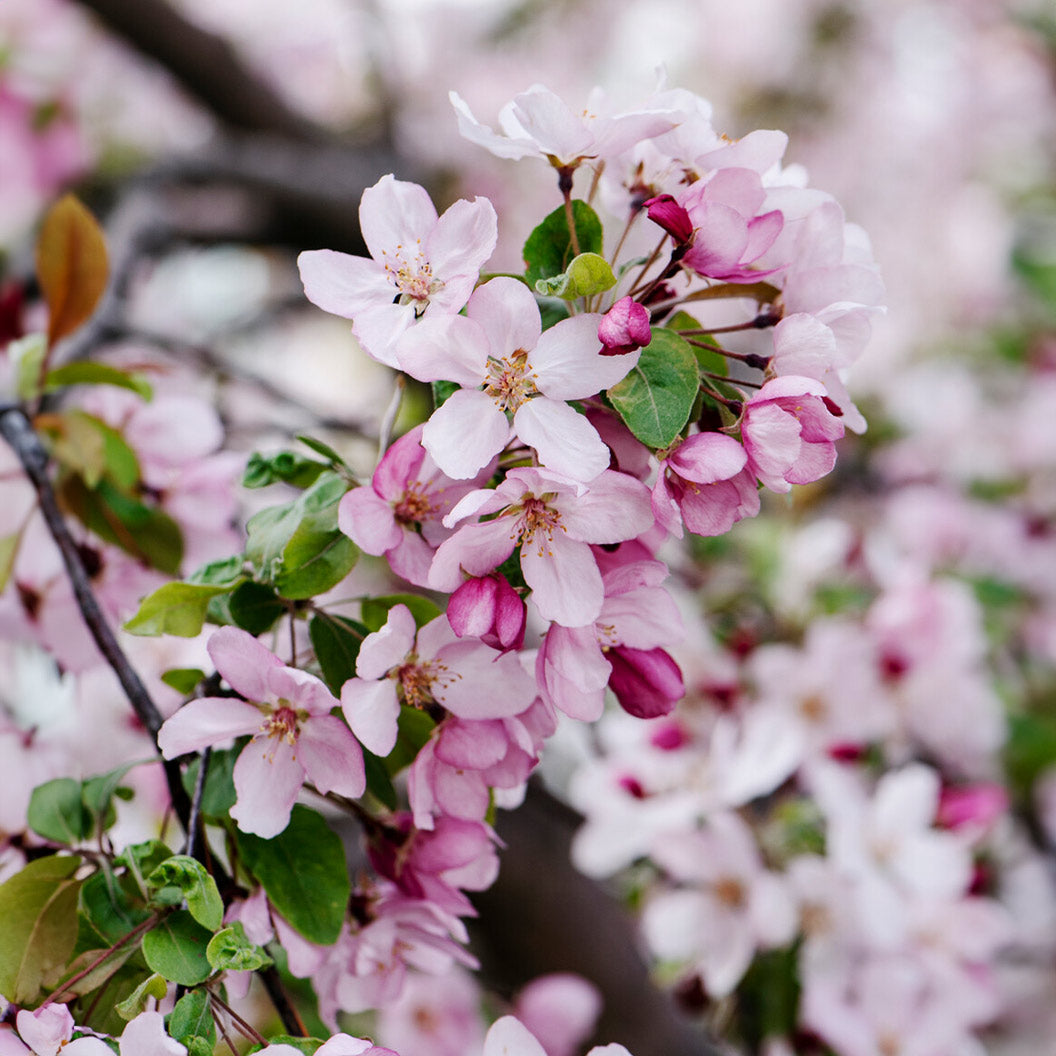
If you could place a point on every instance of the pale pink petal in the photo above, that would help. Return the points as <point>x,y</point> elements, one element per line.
<point>342,284</point>
<point>243,662</point>
<point>207,721</point>
<point>509,1037</point>
<point>301,689</point>
<point>771,438</point>
<point>372,710</point>
<point>145,1036</point>
<point>378,328</point>
<point>465,433</point>
<point>395,215</point>
<point>475,549</point>
<point>565,581</point>
<point>614,508</point>
<point>564,440</point>
<point>463,239</point>
<point>46,1029</point>
<point>508,314</point>
<point>814,462</point>
<point>88,1046</point>
<point>568,363</point>
<point>472,744</point>
<point>501,146</point>
<point>708,457</point>
<point>10,1045</point>
<point>444,347</point>
<point>368,520</point>
<point>331,757</point>
<point>411,558</point>
<point>473,666</point>
<point>267,779</point>
<point>402,462</point>
<point>384,649</point>
<point>551,122</point>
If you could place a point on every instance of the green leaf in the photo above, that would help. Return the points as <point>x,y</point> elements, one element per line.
<point>317,557</point>
<point>285,467</point>
<point>379,783</point>
<point>97,793</point>
<point>442,391</point>
<point>656,397</point>
<point>375,611</point>
<point>230,950</point>
<point>83,372</point>
<point>336,641</point>
<point>57,812</point>
<point>226,572</point>
<point>192,1017</point>
<point>27,355</point>
<point>326,451</point>
<point>195,884</point>
<point>255,607</point>
<point>146,532</point>
<point>183,679</point>
<point>1029,750</point>
<point>9,545</point>
<point>707,359</point>
<point>548,250</point>
<point>175,948</point>
<point>38,907</point>
<point>174,608</point>
<point>304,873</point>
<point>153,986</point>
<point>111,906</point>
<point>589,273</point>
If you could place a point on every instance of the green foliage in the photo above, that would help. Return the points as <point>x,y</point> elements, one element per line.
<point>298,547</point>
<point>331,456</point>
<point>84,372</point>
<point>27,354</point>
<point>218,794</point>
<point>442,390</point>
<point>255,607</point>
<point>768,997</point>
<point>1029,750</point>
<point>707,359</point>
<point>587,274</point>
<point>190,881</point>
<point>69,811</point>
<point>336,641</point>
<point>305,1045</point>
<point>230,950</point>
<point>375,611</point>
<point>655,399</point>
<point>38,908</point>
<point>154,986</point>
<point>175,948</point>
<point>548,250</point>
<point>286,467</point>
<point>413,730</point>
<point>175,608</point>
<point>304,874</point>
<point>183,679</point>
<point>192,1017</point>
<point>111,907</point>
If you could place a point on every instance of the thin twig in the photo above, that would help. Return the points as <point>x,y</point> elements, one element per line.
<point>196,803</point>
<point>289,1015</point>
<point>18,431</point>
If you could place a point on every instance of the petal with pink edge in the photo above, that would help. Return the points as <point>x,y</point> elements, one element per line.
<point>372,710</point>
<point>565,581</point>
<point>465,433</point>
<point>267,779</point>
<point>564,440</point>
<point>384,649</point>
<point>568,363</point>
<point>395,216</point>
<point>508,314</point>
<point>367,519</point>
<point>207,721</point>
<point>342,284</point>
<point>331,757</point>
<point>243,662</point>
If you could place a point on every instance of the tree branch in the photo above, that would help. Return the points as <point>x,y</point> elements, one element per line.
<point>18,431</point>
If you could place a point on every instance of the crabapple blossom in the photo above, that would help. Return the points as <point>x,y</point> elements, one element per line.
<point>488,608</point>
<point>624,327</point>
<point>537,122</point>
<point>419,262</point>
<point>48,1029</point>
<point>525,372</point>
<point>400,515</point>
<point>508,1036</point>
<point>554,520</point>
<point>423,668</point>
<point>294,736</point>
<point>788,431</point>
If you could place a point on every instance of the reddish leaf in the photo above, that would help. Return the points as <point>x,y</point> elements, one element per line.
<point>71,266</point>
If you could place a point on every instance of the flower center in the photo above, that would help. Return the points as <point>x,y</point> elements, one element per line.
<point>416,679</point>
<point>730,892</point>
<point>511,382</point>
<point>282,723</point>
<point>537,518</point>
<point>412,276</point>
<point>414,505</point>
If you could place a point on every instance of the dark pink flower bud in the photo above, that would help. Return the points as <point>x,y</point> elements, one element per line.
<point>665,211</point>
<point>971,805</point>
<point>490,609</point>
<point>624,327</point>
<point>647,682</point>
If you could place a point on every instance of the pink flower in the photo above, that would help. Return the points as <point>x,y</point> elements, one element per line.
<point>537,122</point>
<point>524,372</point>
<point>426,668</point>
<point>400,514</point>
<point>420,263</point>
<point>553,520</point>
<point>576,663</point>
<point>703,481</point>
<point>510,1037</point>
<point>788,431</point>
<point>624,327</point>
<point>47,1030</point>
<point>294,735</point>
